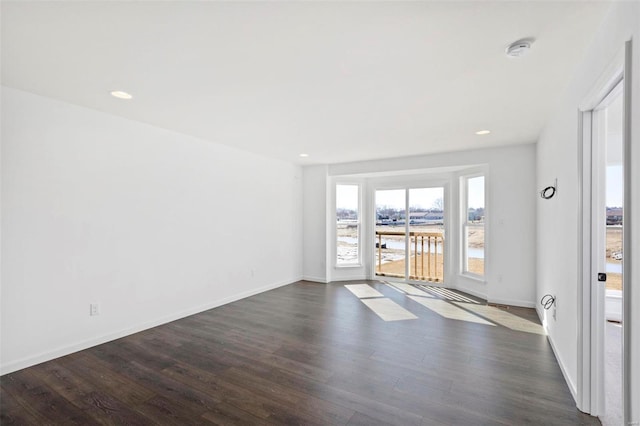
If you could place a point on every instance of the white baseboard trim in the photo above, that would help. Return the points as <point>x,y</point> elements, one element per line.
<point>513,302</point>
<point>315,279</point>
<point>471,291</point>
<point>86,344</point>
<point>353,278</point>
<point>572,386</point>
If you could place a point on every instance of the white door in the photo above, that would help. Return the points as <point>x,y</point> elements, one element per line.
<point>607,252</point>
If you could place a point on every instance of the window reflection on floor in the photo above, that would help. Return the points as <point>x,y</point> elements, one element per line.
<point>449,304</point>
<point>503,318</point>
<point>386,309</point>
<point>449,310</point>
<point>363,290</point>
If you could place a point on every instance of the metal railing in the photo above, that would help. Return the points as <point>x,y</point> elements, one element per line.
<point>432,258</point>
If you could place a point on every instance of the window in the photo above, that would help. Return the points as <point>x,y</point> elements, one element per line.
<point>347,225</point>
<point>473,234</point>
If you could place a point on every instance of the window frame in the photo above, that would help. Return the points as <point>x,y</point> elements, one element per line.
<point>358,262</point>
<point>406,183</point>
<point>464,225</point>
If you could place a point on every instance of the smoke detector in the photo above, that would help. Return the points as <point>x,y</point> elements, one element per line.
<point>517,49</point>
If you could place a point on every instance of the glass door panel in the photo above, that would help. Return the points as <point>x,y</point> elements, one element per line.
<point>390,245</point>
<point>426,234</point>
<point>614,190</point>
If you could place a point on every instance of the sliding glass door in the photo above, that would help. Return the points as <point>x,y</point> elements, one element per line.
<point>409,234</point>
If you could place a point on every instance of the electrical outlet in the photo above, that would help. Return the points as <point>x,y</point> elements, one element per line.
<point>94,309</point>
<point>555,306</point>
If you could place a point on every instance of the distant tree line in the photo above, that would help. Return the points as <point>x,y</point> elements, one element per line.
<point>392,213</point>
<point>476,214</point>
<point>614,215</point>
<point>346,214</point>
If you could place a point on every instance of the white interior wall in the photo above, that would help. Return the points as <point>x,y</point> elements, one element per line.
<point>315,223</point>
<point>557,218</point>
<point>511,190</point>
<point>151,224</point>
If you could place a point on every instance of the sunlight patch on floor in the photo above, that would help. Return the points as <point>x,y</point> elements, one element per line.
<point>447,310</point>
<point>447,294</point>
<point>388,310</point>
<point>504,318</point>
<point>363,290</point>
<point>408,289</point>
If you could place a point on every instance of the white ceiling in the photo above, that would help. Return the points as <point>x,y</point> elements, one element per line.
<point>340,81</point>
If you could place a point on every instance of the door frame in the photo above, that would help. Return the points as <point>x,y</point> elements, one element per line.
<point>590,397</point>
<point>406,185</point>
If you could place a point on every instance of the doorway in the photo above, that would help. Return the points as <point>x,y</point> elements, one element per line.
<point>607,246</point>
<point>410,234</point>
<point>604,240</point>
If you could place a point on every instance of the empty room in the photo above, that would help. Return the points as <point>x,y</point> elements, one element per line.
<point>320,213</point>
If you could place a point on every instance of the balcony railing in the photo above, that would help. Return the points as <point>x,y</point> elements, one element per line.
<point>426,260</point>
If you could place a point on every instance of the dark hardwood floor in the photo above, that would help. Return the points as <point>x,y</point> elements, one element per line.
<point>304,354</point>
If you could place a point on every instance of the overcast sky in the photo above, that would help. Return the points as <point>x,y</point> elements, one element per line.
<point>614,186</point>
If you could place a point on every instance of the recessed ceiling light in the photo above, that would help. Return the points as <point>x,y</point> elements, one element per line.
<point>483,132</point>
<point>304,155</point>
<point>121,95</point>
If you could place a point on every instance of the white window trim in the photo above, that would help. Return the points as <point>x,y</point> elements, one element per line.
<point>464,222</point>
<point>358,262</point>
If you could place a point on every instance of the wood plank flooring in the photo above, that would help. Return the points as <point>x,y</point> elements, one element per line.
<point>308,354</point>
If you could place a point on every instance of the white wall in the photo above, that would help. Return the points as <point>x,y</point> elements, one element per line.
<point>557,218</point>
<point>511,204</point>
<point>151,224</point>
<point>315,223</point>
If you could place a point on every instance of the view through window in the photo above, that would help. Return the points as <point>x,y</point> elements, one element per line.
<point>473,226</point>
<point>390,232</point>
<point>422,229</point>
<point>426,230</point>
<point>347,225</point>
<point>614,198</point>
